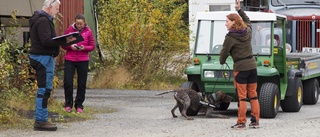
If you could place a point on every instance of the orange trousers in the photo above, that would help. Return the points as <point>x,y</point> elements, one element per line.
<point>245,83</point>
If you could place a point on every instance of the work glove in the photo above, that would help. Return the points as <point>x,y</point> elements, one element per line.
<point>222,62</point>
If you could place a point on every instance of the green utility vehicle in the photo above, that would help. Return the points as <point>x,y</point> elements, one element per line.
<point>284,79</point>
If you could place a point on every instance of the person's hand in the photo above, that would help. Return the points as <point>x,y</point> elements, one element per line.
<point>81,47</point>
<point>69,39</point>
<point>222,62</point>
<point>74,47</point>
<point>237,6</point>
<point>77,47</point>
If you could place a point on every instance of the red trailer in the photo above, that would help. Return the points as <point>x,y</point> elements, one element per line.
<point>303,20</point>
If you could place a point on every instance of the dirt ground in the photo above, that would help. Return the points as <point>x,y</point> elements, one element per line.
<point>141,114</point>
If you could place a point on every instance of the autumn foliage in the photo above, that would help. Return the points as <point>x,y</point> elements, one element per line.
<point>147,37</point>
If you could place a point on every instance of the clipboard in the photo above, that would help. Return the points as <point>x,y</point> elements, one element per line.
<point>77,38</point>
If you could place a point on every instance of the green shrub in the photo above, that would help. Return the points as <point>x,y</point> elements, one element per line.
<point>17,89</point>
<point>148,38</point>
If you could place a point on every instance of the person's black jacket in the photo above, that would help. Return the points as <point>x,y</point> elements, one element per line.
<point>41,33</point>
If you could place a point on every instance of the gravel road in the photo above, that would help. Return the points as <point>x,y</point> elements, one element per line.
<point>141,114</point>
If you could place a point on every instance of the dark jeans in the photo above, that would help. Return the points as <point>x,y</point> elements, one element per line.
<point>82,71</point>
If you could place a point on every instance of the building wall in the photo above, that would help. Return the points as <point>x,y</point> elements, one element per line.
<point>68,9</point>
<point>90,17</point>
<point>25,8</point>
<point>204,6</point>
<point>22,9</point>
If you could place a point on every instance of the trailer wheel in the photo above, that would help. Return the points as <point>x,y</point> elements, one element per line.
<point>193,86</point>
<point>293,103</point>
<point>310,91</point>
<point>269,100</point>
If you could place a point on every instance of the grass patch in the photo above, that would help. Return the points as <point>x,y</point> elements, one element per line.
<point>17,111</point>
<point>120,78</point>
<point>57,114</point>
<point>110,78</point>
<point>61,116</point>
<point>17,106</point>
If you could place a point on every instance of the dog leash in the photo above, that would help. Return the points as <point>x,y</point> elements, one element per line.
<point>225,76</point>
<point>208,104</point>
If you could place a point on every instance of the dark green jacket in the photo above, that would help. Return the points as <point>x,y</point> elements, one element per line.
<point>238,45</point>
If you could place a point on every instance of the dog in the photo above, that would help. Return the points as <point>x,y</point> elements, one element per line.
<point>216,99</point>
<point>188,100</point>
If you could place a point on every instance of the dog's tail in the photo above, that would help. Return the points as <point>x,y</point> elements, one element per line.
<point>164,92</point>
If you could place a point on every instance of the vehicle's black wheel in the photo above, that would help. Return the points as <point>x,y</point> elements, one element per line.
<point>190,84</point>
<point>269,100</point>
<point>294,102</point>
<point>310,91</point>
<point>193,86</point>
<point>223,106</point>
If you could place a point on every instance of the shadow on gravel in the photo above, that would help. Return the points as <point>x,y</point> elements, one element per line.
<point>29,114</point>
<point>229,112</point>
<point>53,116</point>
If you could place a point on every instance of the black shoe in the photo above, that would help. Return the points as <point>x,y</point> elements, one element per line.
<point>44,126</point>
<point>254,125</point>
<point>239,126</point>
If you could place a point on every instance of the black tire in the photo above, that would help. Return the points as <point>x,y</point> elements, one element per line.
<point>269,100</point>
<point>190,84</point>
<point>193,86</point>
<point>293,103</point>
<point>310,91</point>
<point>223,106</point>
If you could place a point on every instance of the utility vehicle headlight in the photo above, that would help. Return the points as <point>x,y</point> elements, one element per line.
<point>209,74</point>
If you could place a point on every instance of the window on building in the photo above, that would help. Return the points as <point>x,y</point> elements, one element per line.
<point>26,37</point>
<point>219,8</point>
<point>1,34</point>
<point>255,5</point>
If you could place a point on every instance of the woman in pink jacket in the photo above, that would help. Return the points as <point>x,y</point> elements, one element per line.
<point>77,58</point>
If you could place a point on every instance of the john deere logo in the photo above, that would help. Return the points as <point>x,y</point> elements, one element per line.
<point>226,74</point>
<point>275,51</point>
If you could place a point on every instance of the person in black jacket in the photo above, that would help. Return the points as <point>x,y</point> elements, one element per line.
<point>42,52</point>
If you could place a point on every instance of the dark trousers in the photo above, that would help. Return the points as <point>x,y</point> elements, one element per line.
<point>69,70</point>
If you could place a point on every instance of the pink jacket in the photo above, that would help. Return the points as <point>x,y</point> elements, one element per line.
<point>88,43</point>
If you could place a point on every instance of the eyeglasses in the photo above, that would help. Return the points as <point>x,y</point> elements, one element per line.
<point>52,2</point>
